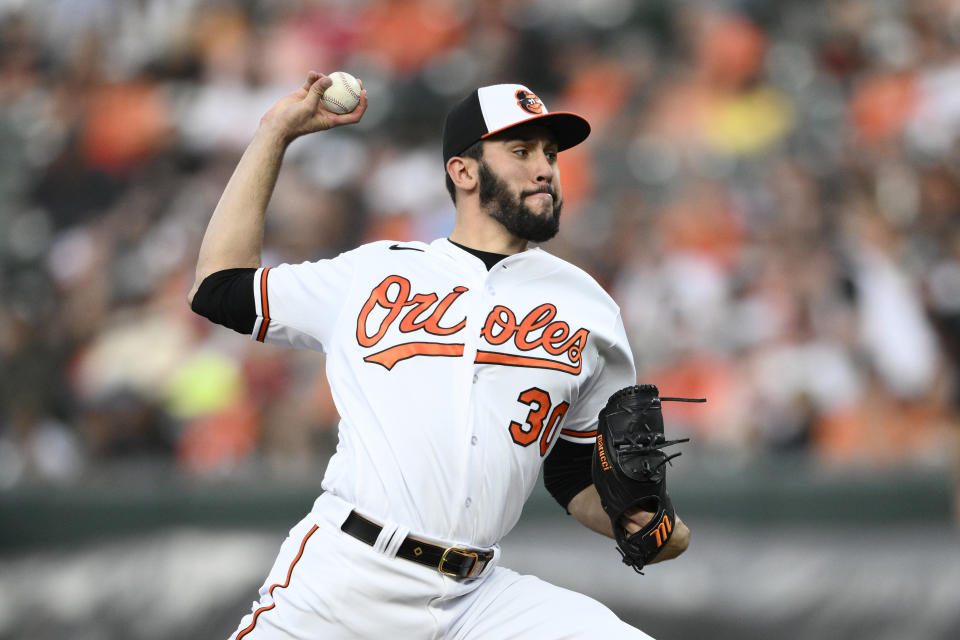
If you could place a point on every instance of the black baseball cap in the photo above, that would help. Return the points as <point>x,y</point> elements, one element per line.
<point>490,110</point>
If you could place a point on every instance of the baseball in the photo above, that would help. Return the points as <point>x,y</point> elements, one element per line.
<point>343,95</point>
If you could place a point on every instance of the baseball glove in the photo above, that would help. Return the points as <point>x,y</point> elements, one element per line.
<point>630,468</point>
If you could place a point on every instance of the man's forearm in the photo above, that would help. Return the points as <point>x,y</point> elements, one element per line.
<point>234,235</point>
<point>586,508</point>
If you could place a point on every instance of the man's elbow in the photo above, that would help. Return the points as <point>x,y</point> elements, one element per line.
<point>198,279</point>
<point>191,294</point>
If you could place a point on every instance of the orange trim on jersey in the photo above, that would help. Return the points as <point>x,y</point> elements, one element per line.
<point>578,434</point>
<point>264,305</point>
<point>490,357</point>
<point>391,356</point>
<point>282,586</point>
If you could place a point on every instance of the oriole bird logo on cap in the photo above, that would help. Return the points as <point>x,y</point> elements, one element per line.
<point>529,102</point>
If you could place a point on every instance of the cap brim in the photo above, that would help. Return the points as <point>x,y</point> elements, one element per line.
<point>569,128</point>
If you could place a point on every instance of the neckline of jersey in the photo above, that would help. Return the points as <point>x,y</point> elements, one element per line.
<point>489,258</point>
<point>456,251</point>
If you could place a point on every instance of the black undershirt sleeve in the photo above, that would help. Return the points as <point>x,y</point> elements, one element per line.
<point>567,470</point>
<point>226,297</point>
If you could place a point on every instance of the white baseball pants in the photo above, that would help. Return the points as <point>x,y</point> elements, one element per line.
<point>328,585</point>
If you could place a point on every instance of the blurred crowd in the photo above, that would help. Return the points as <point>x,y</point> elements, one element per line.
<point>771,192</point>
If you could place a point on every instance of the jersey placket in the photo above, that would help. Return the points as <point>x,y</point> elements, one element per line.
<point>474,475</point>
<point>473,453</point>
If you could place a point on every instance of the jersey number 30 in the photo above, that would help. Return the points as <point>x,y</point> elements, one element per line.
<point>538,425</point>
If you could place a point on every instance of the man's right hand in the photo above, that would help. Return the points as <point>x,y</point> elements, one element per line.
<point>302,111</point>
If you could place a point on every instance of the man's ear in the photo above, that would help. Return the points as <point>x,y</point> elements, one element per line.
<point>464,172</point>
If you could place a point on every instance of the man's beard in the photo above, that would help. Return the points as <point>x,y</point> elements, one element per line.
<point>513,213</point>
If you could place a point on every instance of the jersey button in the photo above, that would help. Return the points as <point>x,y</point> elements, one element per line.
<point>467,503</point>
<point>473,440</point>
<point>475,378</point>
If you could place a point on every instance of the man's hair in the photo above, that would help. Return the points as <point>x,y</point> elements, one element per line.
<point>474,151</point>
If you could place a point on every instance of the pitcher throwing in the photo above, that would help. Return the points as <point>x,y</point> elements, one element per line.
<point>458,367</point>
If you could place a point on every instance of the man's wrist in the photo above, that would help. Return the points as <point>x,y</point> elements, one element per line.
<point>271,135</point>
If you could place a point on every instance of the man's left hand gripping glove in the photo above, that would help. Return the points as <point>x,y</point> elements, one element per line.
<point>630,469</point>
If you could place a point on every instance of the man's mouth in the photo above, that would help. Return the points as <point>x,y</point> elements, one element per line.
<point>540,193</point>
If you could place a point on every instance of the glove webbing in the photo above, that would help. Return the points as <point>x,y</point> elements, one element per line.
<point>636,446</point>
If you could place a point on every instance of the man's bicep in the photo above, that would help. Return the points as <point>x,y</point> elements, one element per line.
<point>299,305</point>
<point>614,370</point>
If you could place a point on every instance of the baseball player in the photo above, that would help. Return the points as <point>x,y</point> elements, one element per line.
<point>458,367</point>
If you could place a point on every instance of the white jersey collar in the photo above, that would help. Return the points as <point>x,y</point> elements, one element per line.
<point>446,247</point>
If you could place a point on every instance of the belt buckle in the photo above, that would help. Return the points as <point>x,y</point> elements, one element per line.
<point>463,552</point>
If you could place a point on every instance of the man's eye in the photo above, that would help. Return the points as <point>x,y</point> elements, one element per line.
<point>552,156</point>
<point>521,152</point>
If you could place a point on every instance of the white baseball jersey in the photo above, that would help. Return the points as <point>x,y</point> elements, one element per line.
<point>452,382</point>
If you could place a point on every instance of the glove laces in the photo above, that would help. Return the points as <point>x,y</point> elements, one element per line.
<point>658,442</point>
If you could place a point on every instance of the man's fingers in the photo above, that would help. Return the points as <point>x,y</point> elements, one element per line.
<point>353,116</point>
<point>635,519</point>
<point>316,89</point>
<point>362,105</point>
<point>311,78</point>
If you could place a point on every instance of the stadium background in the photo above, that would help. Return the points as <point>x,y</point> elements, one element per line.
<point>771,192</point>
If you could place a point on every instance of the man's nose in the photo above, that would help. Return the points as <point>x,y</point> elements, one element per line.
<point>544,168</point>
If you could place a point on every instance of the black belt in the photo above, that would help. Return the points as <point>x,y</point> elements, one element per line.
<point>450,561</point>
